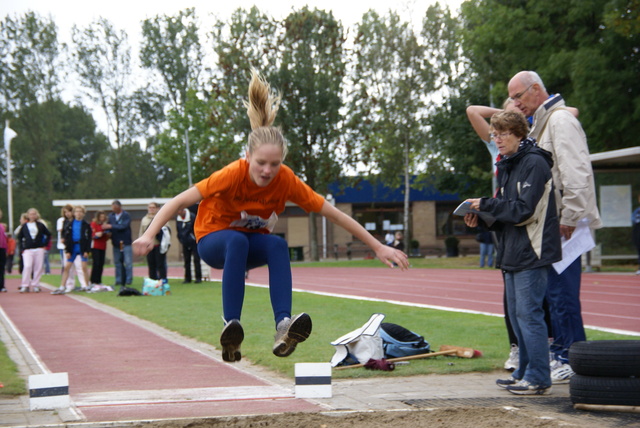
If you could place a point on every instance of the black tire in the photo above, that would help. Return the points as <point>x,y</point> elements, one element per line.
<point>614,358</point>
<point>617,391</point>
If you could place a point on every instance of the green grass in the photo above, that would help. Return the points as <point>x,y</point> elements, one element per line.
<point>12,383</point>
<point>194,310</point>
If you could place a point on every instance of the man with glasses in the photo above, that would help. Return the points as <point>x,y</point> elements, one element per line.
<point>559,132</point>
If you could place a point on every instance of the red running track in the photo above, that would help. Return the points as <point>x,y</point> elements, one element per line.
<point>119,370</point>
<point>609,301</point>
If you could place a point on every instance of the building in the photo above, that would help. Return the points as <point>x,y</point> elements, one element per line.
<point>377,207</point>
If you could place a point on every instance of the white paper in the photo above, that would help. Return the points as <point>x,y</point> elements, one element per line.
<point>581,241</point>
<point>465,208</point>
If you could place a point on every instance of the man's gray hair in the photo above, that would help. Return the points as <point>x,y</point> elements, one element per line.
<point>531,77</point>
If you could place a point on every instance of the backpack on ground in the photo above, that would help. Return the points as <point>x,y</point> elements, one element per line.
<point>129,291</point>
<point>398,341</point>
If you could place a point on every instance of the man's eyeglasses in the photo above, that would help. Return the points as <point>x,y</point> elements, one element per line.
<point>501,136</point>
<point>519,95</point>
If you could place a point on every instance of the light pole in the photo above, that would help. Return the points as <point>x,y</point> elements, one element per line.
<point>9,134</point>
<point>332,201</point>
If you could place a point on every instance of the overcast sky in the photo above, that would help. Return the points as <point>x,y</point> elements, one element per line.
<point>128,14</point>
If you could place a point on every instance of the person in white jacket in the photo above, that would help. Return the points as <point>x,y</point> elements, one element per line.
<point>559,132</point>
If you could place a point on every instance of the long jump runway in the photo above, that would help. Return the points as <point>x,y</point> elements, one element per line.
<point>609,301</point>
<point>121,369</point>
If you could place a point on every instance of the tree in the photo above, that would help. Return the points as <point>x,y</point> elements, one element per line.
<point>171,46</point>
<point>210,139</point>
<point>135,174</point>
<point>310,79</point>
<point>55,154</point>
<point>580,49</point>
<point>102,59</point>
<point>388,103</point>
<point>31,63</point>
<point>249,39</point>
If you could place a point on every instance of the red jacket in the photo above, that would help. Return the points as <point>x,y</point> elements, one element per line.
<point>99,243</point>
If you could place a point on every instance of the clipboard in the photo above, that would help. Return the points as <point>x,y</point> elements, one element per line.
<point>465,208</point>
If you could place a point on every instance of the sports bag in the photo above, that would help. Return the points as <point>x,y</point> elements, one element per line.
<point>155,287</point>
<point>397,341</point>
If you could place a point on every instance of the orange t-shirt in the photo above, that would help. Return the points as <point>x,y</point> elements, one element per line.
<point>232,201</point>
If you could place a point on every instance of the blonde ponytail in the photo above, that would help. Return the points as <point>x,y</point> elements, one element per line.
<point>262,108</point>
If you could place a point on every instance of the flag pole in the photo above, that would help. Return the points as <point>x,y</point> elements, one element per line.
<point>9,134</point>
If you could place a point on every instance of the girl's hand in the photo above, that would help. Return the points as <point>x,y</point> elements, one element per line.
<point>142,246</point>
<point>392,257</point>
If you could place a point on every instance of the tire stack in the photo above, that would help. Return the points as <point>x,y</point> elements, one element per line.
<point>607,374</point>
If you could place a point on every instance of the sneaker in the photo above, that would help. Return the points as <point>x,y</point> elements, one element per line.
<point>503,383</point>
<point>562,373</point>
<point>231,337</point>
<point>526,388</point>
<point>638,272</point>
<point>60,290</point>
<point>24,289</point>
<point>513,361</point>
<point>36,289</point>
<point>289,333</point>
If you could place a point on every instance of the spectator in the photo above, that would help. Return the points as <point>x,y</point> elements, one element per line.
<point>478,116</point>
<point>98,251</point>
<point>66,215</point>
<point>3,253</point>
<point>34,237</point>
<point>24,218</point>
<point>184,223</point>
<point>389,238</point>
<point>559,132</point>
<point>398,241</point>
<point>120,227</point>
<point>486,248</point>
<point>47,249</point>
<point>77,241</point>
<point>156,259</point>
<point>11,250</point>
<point>238,210</point>
<point>525,217</point>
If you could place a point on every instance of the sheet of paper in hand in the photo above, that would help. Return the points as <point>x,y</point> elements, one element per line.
<point>465,208</point>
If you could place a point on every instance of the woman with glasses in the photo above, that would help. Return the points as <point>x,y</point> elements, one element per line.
<point>525,212</point>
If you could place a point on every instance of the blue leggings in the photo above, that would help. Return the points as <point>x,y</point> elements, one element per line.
<point>236,252</point>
